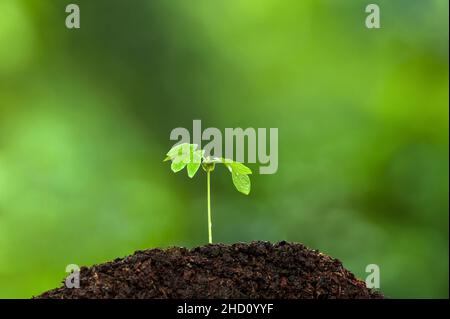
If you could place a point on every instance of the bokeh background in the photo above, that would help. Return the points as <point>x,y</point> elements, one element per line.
<point>85,117</point>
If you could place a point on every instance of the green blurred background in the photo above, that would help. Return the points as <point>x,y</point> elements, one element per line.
<point>85,117</point>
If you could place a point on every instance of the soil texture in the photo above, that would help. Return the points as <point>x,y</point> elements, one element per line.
<point>256,270</point>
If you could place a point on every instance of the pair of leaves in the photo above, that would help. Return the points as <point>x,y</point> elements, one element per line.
<point>239,174</point>
<point>183,155</point>
<point>187,155</point>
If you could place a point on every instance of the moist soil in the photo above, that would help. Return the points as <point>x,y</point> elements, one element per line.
<point>255,270</point>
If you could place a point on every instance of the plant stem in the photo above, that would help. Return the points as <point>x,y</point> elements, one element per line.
<point>209,207</point>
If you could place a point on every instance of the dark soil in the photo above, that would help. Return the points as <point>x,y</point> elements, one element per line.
<point>255,270</point>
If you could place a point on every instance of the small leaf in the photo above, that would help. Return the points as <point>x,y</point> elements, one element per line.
<point>194,164</point>
<point>241,182</point>
<point>240,168</point>
<point>174,151</point>
<point>235,166</point>
<point>181,150</point>
<point>185,154</point>
<point>192,168</point>
<point>177,165</point>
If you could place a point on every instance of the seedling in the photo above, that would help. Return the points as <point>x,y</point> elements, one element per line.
<point>187,155</point>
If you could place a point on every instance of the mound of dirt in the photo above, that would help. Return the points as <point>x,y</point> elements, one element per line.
<point>255,270</point>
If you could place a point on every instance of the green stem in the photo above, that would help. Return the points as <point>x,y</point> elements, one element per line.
<point>209,207</point>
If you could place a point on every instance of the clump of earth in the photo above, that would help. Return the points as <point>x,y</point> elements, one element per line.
<point>255,270</point>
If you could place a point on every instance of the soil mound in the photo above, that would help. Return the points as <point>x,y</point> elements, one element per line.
<point>255,270</point>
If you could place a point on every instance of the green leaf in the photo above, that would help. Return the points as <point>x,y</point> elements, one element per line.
<point>239,174</point>
<point>241,182</point>
<point>192,168</point>
<point>181,150</point>
<point>183,155</point>
<point>194,164</point>
<point>177,165</point>
<point>174,151</point>
<point>239,168</point>
<point>234,166</point>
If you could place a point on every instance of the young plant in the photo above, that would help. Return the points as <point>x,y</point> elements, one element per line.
<point>187,155</point>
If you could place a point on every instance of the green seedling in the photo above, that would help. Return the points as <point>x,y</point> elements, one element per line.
<point>187,155</point>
